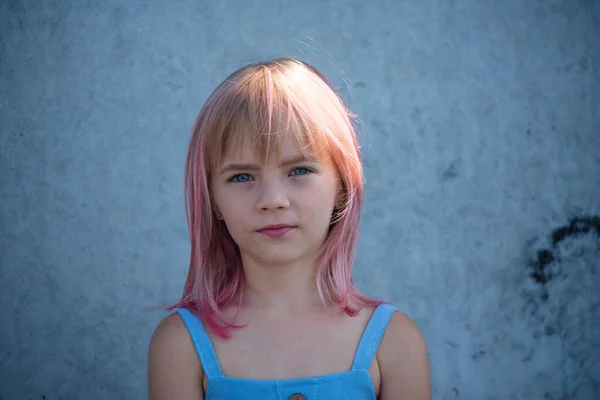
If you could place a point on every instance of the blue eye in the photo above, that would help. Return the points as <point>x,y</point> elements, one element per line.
<point>300,171</point>
<point>239,178</point>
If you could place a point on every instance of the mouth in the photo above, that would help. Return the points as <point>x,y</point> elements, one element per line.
<point>276,231</point>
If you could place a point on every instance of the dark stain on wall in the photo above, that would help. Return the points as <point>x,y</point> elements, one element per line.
<point>477,355</point>
<point>577,226</point>
<point>539,267</point>
<point>452,171</point>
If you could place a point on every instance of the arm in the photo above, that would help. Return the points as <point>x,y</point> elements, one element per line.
<point>174,370</point>
<point>403,361</point>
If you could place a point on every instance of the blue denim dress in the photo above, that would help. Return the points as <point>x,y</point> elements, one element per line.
<point>354,384</point>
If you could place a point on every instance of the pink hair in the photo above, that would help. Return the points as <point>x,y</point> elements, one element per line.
<point>266,101</point>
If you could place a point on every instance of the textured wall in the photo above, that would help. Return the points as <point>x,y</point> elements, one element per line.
<point>481,133</point>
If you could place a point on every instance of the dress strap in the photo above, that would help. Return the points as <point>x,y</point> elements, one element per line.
<point>202,343</point>
<point>372,336</point>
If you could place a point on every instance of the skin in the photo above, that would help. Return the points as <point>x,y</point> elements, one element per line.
<point>292,332</point>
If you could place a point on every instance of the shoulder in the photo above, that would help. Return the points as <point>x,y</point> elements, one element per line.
<point>402,333</point>
<point>171,335</point>
<point>174,370</point>
<point>403,360</point>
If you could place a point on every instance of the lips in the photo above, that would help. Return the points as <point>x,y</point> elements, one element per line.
<point>276,231</point>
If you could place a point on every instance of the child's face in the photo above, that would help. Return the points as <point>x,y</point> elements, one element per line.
<point>297,193</point>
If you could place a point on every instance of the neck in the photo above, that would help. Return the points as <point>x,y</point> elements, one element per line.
<point>286,287</point>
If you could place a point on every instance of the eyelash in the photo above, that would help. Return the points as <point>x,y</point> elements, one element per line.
<point>308,171</point>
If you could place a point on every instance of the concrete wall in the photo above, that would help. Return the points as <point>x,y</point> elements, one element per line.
<point>481,134</point>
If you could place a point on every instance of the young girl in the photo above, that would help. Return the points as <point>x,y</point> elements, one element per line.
<point>274,186</point>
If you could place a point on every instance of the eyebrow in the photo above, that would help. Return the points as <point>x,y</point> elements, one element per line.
<point>254,167</point>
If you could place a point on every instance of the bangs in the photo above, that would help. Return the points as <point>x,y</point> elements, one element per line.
<point>268,106</point>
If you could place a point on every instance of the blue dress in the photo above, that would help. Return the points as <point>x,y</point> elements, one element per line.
<point>354,384</point>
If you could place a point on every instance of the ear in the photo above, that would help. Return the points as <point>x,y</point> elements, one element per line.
<point>217,213</point>
<point>340,196</point>
<point>339,202</point>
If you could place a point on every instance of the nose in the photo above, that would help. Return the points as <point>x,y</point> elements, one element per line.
<point>272,197</point>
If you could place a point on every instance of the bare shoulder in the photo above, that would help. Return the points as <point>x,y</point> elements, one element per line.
<point>403,361</point>
<point>402,334</point>
<point>174,370</point>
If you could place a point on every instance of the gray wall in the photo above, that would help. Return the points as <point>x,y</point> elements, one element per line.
<point>481,134</point>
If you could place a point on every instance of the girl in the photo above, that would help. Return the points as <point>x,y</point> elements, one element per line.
<point>274,186</point>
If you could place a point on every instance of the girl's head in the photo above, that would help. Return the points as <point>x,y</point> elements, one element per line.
<point>274,144</point>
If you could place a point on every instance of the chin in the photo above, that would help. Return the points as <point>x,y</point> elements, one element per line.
<point>276,256</point>
<point>276,259</point>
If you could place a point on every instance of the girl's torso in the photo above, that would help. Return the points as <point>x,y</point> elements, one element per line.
<point>310,356</point>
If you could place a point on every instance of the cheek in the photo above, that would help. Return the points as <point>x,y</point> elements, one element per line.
<point>235,216</point>
<point>235,227</point>
<point>322,200</point>
<point>238,211</point>
<point>228,199</point>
